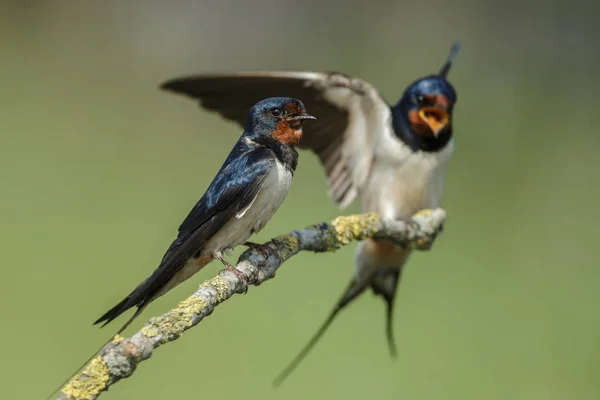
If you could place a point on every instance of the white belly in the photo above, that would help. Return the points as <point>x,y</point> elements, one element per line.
<point>255,217</point>
<point>403,184</point>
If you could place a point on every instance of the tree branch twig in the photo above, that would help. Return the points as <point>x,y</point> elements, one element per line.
<point>119,358</point>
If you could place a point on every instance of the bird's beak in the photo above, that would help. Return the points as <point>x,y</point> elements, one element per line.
<point>300,117</point>
<point>436,117</point>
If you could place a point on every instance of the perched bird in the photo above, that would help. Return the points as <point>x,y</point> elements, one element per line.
<point>248,189</point>
<point>393,158</point>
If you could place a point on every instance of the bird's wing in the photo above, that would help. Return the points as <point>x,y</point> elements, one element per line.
<point>351,115</point>
<point>234,188</point>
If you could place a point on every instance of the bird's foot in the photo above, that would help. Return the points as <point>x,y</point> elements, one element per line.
<point>238,274</point>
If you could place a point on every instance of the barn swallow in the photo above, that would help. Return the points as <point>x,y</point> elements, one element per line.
<point>393,158</point>
<point>246,192</point>
<point>248,189</point>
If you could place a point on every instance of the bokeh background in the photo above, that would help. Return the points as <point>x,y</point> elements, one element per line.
<point>98,168</point>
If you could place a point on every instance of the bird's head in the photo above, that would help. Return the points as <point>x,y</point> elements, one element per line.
<point>427,103</point>
<point>279,117</point>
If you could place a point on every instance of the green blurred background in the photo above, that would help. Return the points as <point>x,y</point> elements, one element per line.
<point>98,168</point>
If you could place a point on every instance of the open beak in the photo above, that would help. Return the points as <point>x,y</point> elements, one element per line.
<point>300,117</point>
<point>437,118</point>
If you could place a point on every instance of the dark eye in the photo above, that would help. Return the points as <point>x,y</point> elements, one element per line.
<point>276,112</point>
<point>420,99</point>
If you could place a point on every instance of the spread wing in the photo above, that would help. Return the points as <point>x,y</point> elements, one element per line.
<point>351,115</point>
<point>234,188</point>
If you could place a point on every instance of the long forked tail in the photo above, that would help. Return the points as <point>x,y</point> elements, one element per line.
<point>124,305</point>
<point>352,292</point>
<point>385,284</point>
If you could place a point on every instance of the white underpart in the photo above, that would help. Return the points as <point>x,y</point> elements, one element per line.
<point>246,222</point>
<point>401,183</point>
<point>254,217</point>
<point>388,177</point>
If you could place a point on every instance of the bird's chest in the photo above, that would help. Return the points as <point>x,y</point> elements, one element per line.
<point>255,216</point>
<point>402,185</point>
<point>268,199</point>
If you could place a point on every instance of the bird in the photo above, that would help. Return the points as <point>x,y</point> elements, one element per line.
<point>392,157</point>
<point>248,189</point>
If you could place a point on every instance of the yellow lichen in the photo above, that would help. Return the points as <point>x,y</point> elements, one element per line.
<point>170,325</point>
<point>220,285</point>
<point>150,331</point>
<point>117,339</point>
<point>287,245</point>
<point>423,213</point>
<point>90,382</point>
<point>192,305</point>
<point>176,321</point>
<point>354,227</point>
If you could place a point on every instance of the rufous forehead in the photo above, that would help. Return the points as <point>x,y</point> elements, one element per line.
<point>438,100</point>
<point>293,108</point>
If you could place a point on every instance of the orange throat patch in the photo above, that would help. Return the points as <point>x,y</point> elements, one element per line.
<point>286,134</point>
<point>428,121</point>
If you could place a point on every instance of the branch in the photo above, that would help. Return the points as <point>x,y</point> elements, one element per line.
<point>119,358</point>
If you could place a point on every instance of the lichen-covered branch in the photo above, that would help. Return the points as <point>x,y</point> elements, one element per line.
<point>119,358</point>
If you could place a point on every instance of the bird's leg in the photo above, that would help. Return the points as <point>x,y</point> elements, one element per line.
<point>231,268</point>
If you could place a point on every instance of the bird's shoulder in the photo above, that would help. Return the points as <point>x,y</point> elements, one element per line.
<point>352,116</point>
<point>236,183</point>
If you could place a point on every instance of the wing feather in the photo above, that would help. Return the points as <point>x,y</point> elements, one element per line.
<point>350,115</point>
<point>234,188</point>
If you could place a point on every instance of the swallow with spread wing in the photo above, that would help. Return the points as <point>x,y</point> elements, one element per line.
<point>393,158</point>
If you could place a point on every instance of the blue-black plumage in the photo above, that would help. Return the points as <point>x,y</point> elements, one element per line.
<point>246,192</point>
<point>393,158</point>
